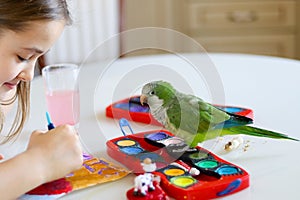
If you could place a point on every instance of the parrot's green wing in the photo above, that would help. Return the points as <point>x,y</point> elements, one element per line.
<point>196,121</point>
<point>191,115</point>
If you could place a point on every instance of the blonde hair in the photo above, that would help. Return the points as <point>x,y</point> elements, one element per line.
<point>15,16</point>
<point>23,96</point>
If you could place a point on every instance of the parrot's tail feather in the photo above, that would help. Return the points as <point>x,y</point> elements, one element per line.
<point>253,131</point>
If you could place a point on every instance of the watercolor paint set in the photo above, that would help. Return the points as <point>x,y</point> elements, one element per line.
<point>131,109</point>
<point>185,173</point>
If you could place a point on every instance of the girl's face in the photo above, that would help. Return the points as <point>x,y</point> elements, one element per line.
<point>19,52</point>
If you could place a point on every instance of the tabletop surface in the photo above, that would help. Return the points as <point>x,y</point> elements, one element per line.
<point>268,85</point>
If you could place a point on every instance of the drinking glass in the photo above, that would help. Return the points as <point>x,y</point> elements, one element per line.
<point>62,93</point>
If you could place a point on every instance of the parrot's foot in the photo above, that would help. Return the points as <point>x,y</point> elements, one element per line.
<point>176,150</point>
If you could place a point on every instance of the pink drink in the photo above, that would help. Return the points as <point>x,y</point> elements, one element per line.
<point>63,107</point>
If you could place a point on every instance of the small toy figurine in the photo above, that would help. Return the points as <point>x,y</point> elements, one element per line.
<point>146,186</point>
<point>144,182</point>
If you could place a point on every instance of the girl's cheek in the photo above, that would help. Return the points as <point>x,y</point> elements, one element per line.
<point>8,75</point>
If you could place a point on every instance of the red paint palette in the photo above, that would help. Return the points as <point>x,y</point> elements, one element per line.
<point>217,177</point>
<point>131,109</point>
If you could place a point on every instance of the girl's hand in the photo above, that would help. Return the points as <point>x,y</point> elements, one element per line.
<point>57,152</point>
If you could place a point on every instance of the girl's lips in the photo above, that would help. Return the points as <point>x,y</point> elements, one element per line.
<point>11,85</point>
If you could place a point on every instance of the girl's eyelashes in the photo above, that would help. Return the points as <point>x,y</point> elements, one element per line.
<point>22,59</point>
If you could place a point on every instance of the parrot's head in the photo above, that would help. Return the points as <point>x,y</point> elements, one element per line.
<point>157,93</point>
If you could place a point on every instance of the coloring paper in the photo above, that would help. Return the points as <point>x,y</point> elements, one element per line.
<point>93,171</point>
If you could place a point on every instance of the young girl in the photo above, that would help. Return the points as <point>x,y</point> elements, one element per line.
<point>28,29</point>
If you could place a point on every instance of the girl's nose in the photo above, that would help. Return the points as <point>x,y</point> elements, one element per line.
<point>27,73</point>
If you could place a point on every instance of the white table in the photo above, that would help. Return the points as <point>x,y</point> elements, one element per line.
<point>268,85</point>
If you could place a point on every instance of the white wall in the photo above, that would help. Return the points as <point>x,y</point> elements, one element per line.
<point>95,21</point>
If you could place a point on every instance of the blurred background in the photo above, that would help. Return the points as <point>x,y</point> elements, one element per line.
<point>264,27</point>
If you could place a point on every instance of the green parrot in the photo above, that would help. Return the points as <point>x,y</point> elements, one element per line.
<point>192,119</point>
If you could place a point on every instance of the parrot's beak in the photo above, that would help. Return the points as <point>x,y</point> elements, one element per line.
<point>143,99</point>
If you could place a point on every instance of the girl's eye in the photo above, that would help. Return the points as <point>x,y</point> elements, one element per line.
<point>22,59</point>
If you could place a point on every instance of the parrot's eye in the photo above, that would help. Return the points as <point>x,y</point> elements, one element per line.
<point>152,92</point>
